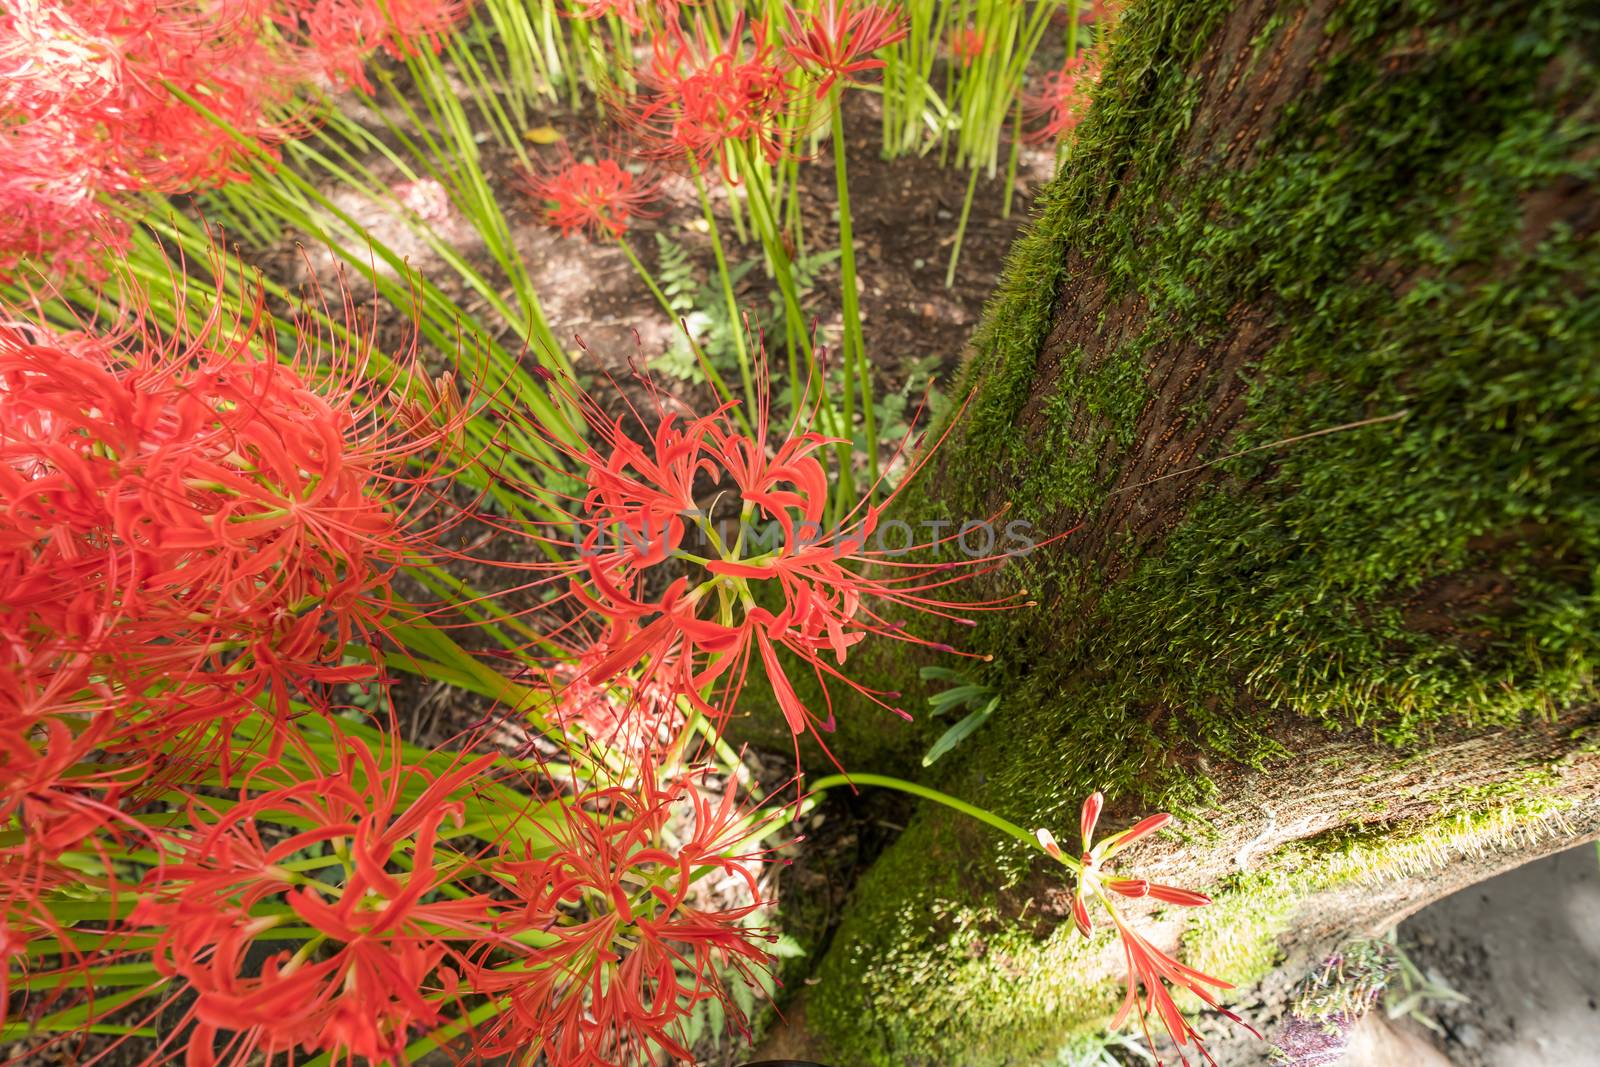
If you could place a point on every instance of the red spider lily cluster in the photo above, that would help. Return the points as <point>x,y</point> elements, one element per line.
<point>660,593</point>
<point>704,95</point>
<point>387,949</point>
<point>623,946</point>
<point>1063,97</point>
<point>601,197</point>
<point>102,100</point>
<point>196,530</point>
<point>1149,969</point>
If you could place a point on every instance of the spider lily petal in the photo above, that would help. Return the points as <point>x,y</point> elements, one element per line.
<point>836,42</point>
<point>1090,815</point>
<point>1188,898</point>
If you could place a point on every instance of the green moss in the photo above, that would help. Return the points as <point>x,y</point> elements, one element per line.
<point>1288,584</point>
<point>1238,934</point>
<point>946,965</point>
<point>1388,233</point>
<point>979,985</point>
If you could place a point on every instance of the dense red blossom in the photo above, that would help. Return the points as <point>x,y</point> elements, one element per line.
<point>353,857</point>
<point>602,197</point>
<point>1063,97</point>
<point>836,42</point>
<point>689,602</point>
<point>967,44</point>
<point>342,34</point>
<point>188,523</point>
<point>101,100</point>
<point>92,106</point>
<point>701,96</point>
<point>630,937</point>
<point>626,10</point>
<point>1149,969</point>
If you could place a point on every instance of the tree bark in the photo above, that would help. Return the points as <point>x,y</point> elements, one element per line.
<point>1303,344</point>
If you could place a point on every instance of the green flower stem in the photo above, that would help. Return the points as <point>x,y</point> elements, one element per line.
<point>1011,163</point>
<point>961,228</point>
<point>727,283</point>
<point>717,381</point>
<point>764,218</point>
<point>854,353</point>
<point>739,165</point>
<point>1005,826</point>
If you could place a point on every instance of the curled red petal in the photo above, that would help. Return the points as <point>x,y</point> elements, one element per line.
<point>1090,816</point>
<point>1173,895</point>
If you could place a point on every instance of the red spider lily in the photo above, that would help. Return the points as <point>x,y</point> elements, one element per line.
<point>1153,970</point>
<point>191,523</point>
<point>1092,864</point>
<point>626,10</point>
<point>1148,966</point>
<point>701,96</point>
<point>313,914</point>
<point>602,197</point>
<point>1063,97</point>
<point>622,714</point>
<point>628,934</point>
<point>836,43</point>
<point>686,605</point>
<point>106,98</point>
<point>344,33</point>
<point>967,44</point>
<point>92,104</point>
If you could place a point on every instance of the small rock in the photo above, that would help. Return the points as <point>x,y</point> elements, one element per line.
<point>1374,1042</point>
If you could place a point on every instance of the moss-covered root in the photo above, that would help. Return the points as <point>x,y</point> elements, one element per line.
<point>943,959</point>
<point>1278,219</point>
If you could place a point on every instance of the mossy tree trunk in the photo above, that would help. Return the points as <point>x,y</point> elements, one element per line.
<point>1359,662</point>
